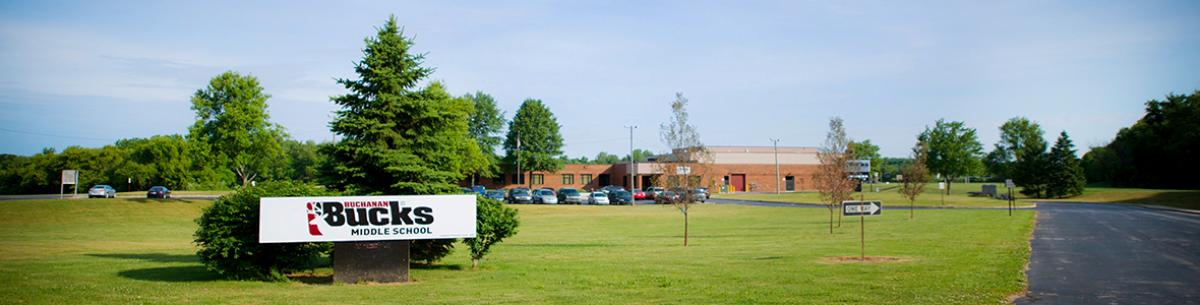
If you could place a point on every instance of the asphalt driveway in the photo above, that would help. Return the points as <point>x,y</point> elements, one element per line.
<point>1113,254</point>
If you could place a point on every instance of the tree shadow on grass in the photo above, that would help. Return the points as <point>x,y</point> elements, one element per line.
<point>312,278</point>
<point>152,257</point>
<point>193,272</point>
<point>190,273</point>
<point>436,266</point>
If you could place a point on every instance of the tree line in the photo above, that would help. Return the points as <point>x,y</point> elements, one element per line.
<point>1156,151</point>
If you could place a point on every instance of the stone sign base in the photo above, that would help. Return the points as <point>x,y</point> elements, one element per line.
<point>381,261</point>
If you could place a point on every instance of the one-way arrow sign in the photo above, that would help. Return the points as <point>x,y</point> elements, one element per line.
<point>867,208</point>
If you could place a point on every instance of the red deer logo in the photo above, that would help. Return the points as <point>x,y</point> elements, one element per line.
<point>313,211</point>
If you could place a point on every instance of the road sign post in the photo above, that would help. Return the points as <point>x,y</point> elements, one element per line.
<point>942,186</point>
<point>69,176</point>
<point>1008,183</point>
<point>862,209</point>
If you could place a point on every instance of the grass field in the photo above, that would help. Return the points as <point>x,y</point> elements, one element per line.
<point>890,195</point>
<point>1187,199</point>
<point>117,251</point>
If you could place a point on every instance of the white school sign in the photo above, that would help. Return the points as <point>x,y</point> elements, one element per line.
<point>365,218</point>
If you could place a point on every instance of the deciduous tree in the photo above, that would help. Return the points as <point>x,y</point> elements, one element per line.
<point>914,176</point>
<point>954,150</point>
<point>832,178</point>
<point>687,166</point>
<point>486,122</point>
<point>232,121</point>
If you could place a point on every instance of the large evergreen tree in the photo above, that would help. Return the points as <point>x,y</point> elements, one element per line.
<point>398,138</point>
<point>1065,175</point>
<point>232,121</point>
<point>954,150</point>
<point>541,144</point>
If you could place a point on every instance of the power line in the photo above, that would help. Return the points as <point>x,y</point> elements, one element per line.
<point>54,135</point>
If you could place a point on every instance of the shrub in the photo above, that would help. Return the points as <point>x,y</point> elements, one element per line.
<point>228,236</point>
<point>493,223</point>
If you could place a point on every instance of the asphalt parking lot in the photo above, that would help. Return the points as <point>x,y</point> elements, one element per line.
<point>1113,254</point>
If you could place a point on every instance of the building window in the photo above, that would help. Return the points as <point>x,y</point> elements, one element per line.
<point>568,179</point>
<point>585,179</point>
<point>538,179</point>
<point>515,180</point>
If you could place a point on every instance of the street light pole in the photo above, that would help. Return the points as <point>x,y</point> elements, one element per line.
<point>632,168</point>
<point>520,178</point>
<point>775,143</point>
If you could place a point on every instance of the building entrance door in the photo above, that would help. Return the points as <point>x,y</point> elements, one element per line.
<point>738,181</point>
<point>789,183</point>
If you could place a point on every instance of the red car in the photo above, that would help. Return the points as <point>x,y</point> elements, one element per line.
<point>638,194</point>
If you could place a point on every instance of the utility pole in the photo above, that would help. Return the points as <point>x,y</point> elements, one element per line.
<point>632,167</point>
<point>775,143</point>
<point>520,178</point>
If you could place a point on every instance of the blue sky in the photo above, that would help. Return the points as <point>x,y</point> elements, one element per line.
<point>88,73</point>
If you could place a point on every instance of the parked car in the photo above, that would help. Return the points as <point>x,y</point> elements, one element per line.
<point>638,194</point>
<point>570,195</point>
<point>467,190</point>
<point>611,188</point>
<point>598,198</point>
<point>620,197</point>
<point>701,193</point>
<point>520,195</point>
<point>479,189</point>
<point>158,192</point>
<point>102,191</point>
<point>667,197</point>
<point>545,196</point>
<point>698,194</point>
<point>495,194</point>
<point>653,192</point>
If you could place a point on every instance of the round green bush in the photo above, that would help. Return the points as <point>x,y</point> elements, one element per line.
<point>228,236</point>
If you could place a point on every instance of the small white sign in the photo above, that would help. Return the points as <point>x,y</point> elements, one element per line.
<point>1008,183</point>
<point>941,185</point>
<point>683,170</point>
<point>70,176</point>
<point>365,218</point>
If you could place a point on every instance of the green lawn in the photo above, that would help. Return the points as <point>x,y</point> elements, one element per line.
<point>891,197</point>
<point>1187,199</point>
<point>116,251</point>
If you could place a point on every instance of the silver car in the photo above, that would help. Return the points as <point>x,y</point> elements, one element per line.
<point>544,196</point>
<point>598,198</point>
<point>570,195</point>
<point>102,191</point>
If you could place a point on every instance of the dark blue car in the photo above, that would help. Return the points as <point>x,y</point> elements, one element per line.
<point>495,195</point>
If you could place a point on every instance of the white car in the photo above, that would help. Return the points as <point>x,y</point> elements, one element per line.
<point>545,196</point>
<point>598,198</point>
